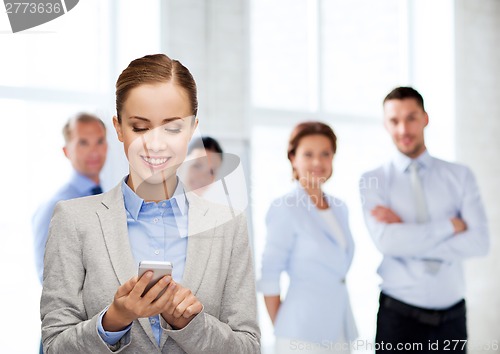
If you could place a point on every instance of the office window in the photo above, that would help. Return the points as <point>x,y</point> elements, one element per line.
<point>283,66</point>
<point>67,53</point>
<point>363,54</point>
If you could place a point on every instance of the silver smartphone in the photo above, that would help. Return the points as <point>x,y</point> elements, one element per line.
<point>159,269</point>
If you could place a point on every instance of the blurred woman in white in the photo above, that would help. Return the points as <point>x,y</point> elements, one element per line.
<point>308,237</point>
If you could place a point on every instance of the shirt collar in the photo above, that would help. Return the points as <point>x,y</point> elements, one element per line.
<point>134,203</point>
<point>82,183</point>
<point>402,162</point>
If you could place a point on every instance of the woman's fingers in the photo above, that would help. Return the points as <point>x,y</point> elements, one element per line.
<point>160,285</point>
<point>193,309</point>
<point>174,297</point>
<point>126,288</point>
<point>181,296</point>
<point>184,304</point>
<point>139,287</point>
<point>176,301</point>
<point>187,306</point>
<point>180,305</point>
<point>159,303</point>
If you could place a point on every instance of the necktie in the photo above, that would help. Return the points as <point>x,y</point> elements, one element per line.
<point>96,190</point>
<point>418,193</point>
<point>431,265</point>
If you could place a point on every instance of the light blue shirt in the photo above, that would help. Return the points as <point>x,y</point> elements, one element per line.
<point>157,232</point>
<point>450,190</point>
<point>78,186</point>
<point>301,243</point>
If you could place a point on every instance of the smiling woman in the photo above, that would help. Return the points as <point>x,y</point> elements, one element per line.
<point>155,146</point>
<point>308,238</point>
<point>95,244</point>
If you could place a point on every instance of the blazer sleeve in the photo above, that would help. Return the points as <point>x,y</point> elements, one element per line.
<point>280,241</point>
<point>65,326</point>
<point>236,329</point>
<point>40,226</point>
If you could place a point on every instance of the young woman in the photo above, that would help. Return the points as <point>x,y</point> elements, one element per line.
<point>205,160</point>
<point>308,237</point>
<point>92,299</point>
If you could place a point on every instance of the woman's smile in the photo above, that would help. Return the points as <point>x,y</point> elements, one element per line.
<point>155,162</point>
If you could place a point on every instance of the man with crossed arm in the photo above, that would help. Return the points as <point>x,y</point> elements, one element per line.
<point>426,216</point>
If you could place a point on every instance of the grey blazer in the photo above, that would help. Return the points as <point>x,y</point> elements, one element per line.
<point>88,257</point>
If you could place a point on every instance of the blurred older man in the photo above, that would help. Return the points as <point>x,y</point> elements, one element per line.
<point>86,148</point>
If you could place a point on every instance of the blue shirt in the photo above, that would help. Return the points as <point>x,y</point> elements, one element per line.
<point>78,186</point>
<point>409,247</point>
<point>157,232</point>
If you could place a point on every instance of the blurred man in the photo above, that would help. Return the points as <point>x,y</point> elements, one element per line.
<point>86,148</point>
<point>426,216</point>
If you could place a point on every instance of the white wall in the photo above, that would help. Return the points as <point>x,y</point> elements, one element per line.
<point>477,73</point>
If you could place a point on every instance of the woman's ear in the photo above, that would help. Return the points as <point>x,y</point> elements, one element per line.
<point>193,127</point>
<point>118,128</point>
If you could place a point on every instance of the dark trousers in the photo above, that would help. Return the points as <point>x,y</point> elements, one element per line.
<point>410,329</point>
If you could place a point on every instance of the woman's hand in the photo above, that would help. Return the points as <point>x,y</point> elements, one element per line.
<point>273,303</point>
<point>128,305</point>
<point>181,307</point>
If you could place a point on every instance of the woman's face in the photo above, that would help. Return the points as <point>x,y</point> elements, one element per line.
<point>156,127</point>
<point>203,168</point>
<point>313,160</point>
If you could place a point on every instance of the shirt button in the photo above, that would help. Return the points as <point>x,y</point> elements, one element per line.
<point>157,252</point>
<point>155,220</point>
<point>153,321</point>
<point>163,204</point>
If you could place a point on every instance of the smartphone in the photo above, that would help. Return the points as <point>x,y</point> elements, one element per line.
<point>159,269</point>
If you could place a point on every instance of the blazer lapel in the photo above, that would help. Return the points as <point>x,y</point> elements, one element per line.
<point>201,229</point>
<point>325,235</point>
<point>318,220</point>
<point>113,219</point>
<point>344,225</point>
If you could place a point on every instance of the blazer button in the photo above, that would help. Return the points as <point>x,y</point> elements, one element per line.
<point>342,280</point>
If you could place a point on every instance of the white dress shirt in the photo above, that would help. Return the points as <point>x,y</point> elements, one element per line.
<point>422,263</point>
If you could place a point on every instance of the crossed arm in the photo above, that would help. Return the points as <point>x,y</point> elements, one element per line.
<point>461,236</point>
<point>388,216</point>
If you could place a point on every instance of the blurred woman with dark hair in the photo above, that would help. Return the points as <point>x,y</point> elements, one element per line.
<point>203,162</point>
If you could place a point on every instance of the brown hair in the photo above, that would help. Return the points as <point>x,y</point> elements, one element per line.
<point>79,118</point>
<point>403,93</point>
<point>305,129</point>
<point>152,69</point>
